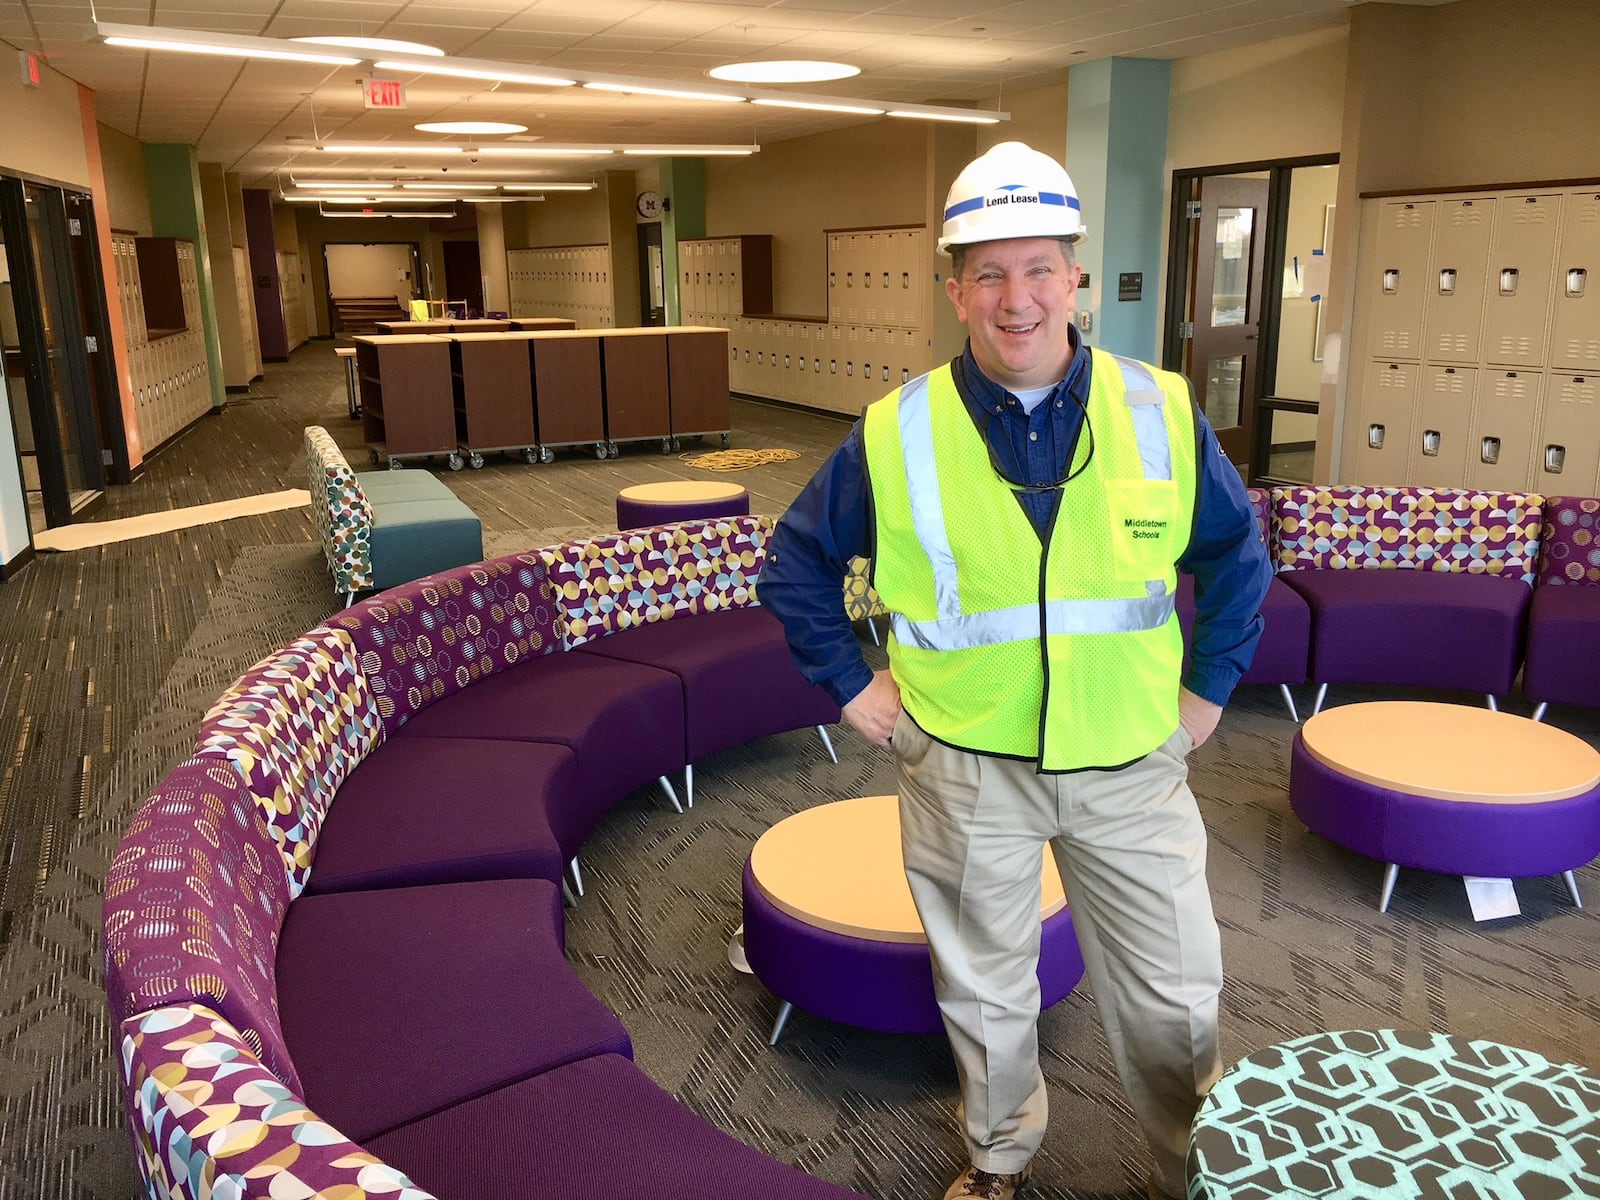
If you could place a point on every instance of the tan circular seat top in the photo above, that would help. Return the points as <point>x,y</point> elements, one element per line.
<point>1452,752</point>
<point>838,866</point>
<point>676,491</point>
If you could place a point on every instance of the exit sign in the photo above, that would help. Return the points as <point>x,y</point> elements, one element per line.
<point>385,93</point>
<point>30,68</point>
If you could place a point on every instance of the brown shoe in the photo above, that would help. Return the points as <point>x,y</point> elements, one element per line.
<point>986,1185</point>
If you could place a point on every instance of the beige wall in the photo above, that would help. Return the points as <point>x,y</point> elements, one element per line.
<point>127,193</point>
<point>874,174</point>
<point>1038,119</point>
<point>1278,99</point>
<point>43,125</point>
<point>561,219</point>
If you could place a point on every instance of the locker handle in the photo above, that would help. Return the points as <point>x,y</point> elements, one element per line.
<point>1447,281</point>
<point>1555,458</point>
<point>1430,443</point>
<point>1391,281</point>
<point>905,279</point>
<point>1508,281</point>
<point>1489,452</point>
<point>1577,279</point>
<point>1375,436</point>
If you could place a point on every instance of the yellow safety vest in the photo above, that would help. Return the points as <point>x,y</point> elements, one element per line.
<point>1067,653</point>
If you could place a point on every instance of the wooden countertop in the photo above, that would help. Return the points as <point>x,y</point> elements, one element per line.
<point>1452,752</point>
<point>838,866</point>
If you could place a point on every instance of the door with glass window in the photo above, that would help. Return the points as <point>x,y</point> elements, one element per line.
<point>1225,305</point>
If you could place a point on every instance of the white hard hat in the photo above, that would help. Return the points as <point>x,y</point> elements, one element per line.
<point>1010,191</point>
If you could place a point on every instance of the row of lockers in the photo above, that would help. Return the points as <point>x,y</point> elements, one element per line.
<point>170,377</point>
<point>291,294</point>
<point>563,281</point>
<point>1445,426</point>
<point>244,301</point>
<point>842,368</point>
<point>725,277</point>
<point>1503,279</point>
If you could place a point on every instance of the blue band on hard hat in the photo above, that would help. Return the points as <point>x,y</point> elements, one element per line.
<point>1056,198</point>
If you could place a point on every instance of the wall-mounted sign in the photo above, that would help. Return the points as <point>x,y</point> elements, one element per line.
<point>384,93</point>
<point>1130,285</point>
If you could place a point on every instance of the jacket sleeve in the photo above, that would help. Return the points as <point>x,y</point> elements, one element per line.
<point>1231,573</point>
<point>802,582</point>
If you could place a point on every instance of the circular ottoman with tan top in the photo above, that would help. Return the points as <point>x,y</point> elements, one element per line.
<point>1447,788</point>
<point>647,504</point>
<point>830,927</point>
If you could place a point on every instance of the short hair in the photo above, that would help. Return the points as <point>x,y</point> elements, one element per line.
<point>958,256</point>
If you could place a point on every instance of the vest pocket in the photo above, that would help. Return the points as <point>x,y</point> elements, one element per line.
<point>1142,514</point>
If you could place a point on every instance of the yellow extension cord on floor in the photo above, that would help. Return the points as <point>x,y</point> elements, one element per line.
<point>737,460</point>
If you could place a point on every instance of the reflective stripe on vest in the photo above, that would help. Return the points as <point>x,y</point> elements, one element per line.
<point>956,630</point>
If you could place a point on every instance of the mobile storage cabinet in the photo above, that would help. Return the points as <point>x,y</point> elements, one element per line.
<point>697,373</point>
<point>635,366</point>
<point>407,398</point>
<point>568,403</point>
<point>493,384</point>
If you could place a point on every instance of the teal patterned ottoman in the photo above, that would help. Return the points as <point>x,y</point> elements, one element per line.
<point>1395,1113</point>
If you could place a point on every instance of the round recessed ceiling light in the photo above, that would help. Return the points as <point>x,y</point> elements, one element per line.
<point>469,127</point>
<point>386,45</point>
<point>791,70</point>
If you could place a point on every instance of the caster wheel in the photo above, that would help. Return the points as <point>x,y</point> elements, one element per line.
<point>476,462</point>
<point>530,456</point>
<point>456,462</point>
<point>666,445</point>
<point>600,451</point>
<point>546,455</point>
<point>377,459</point>
<point>612,448</point>
<point>395,464</point>
<point>724,441</point>
<point>676,445</point>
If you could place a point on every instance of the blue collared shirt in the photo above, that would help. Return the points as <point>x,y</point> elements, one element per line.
<point>831,522</point>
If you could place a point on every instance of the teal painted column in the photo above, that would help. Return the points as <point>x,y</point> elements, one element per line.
<point>1116,155</point>
<point>683,191</point>
<point>172,174</point>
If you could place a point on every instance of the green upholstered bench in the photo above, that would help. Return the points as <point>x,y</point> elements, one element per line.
<point>383,528</point>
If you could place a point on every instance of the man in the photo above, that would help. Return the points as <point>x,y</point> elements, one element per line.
<point>1026,507</point>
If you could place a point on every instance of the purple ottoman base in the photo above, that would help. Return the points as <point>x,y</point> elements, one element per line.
<point>1502,841</point>
<point>641,511</point>
<point>886,986</point>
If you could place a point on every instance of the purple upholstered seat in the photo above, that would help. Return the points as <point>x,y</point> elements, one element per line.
<point>887,986</point>
<point>738,679</point>
<point>399,1003</point>
<point>448,810</point>
<point>1285,644</point>
<point>1563,662</point>
<point>623,721</point>
<point>597,1129</point>
<point>1427,628</point>
<point>1503,841</point>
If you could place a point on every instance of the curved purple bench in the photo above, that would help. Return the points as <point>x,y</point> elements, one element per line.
<point>334,936</point>
<point>1503,841</point>
<point>1564,618</point>
<point>886,986</point>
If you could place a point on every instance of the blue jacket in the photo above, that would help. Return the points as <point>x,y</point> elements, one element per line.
<point>831,522</point>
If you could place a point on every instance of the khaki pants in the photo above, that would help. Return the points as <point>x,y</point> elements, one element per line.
<point>1132,850</point>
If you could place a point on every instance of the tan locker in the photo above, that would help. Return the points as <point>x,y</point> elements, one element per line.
<point>1575,318</point>
<point>835,295</point>
<point>1453,310</point>
<point>853,290</point>
<point>1500,444</point>
<point>1517,304</point>
<point>1396,283</point>
<point>1566,456</point>
<point>913,245</point>
<point>1388,416</point>
<point>1444,416</point>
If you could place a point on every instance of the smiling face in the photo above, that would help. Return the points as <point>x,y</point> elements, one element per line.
<point>1016,298</point>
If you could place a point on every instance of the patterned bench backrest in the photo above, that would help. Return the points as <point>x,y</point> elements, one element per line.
<point>860,597</point>
<point>344,517</point>
<point>421,641</point>
<point>617,581</point>
<point>293,727</point>
<point>194,901</point>
<point>1420,529</point>
<point>208,1121</point>
<point>1570,550</point>
<point>1261,505</point>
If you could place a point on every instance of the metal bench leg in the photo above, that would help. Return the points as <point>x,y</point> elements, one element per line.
<point>688,784</point>
<point>577,875</point>
<point>567,897</point>
<point>827,742</point>
<point>1389,876</point>
<point>1572,888</point>
<point>1494,705</point>
<point>1288,698</point>
<point>1538,713</point>
<point>777,1026</point>
<point>1322,692</point>
<point>872,628</point>
<point>666,786</point>
<point>349,599</point>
